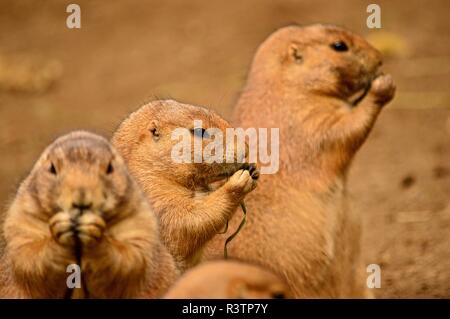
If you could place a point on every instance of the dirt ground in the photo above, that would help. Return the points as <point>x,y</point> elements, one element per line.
<point>54,79</point>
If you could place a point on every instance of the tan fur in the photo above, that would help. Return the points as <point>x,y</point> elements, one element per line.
<point>189,210</point>
<point>228,280</point>
<point>299,225</point>
<point>83,203</point>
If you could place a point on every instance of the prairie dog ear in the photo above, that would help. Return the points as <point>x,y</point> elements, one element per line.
<point>294,53</point>
<point>154,130</point>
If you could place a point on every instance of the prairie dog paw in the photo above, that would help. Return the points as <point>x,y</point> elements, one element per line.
<point>90,228</point>
<point>252,169</point>
<point>62,228</point>
<point>383,89</point>
<point>242,181</point>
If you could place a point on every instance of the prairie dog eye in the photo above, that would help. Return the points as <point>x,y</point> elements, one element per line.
<point>295,53</point>
<point>52,169</point>
<point>154,132</point>
<point>109,169</point>
<point>278,295</point>
<point>200,132</point>
<point>339,46</point>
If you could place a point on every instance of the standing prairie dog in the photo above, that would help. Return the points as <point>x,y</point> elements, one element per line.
<point>321,86</point>
<point>79,196</point>
<point>189,209</point>
<point>228,280</point>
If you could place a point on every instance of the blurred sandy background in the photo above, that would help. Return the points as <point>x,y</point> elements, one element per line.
<point>54,79</point>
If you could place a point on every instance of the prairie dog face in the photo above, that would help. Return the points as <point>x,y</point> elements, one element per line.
<point>147,142</point>
<point>80,171</point>
<point>318,58</point>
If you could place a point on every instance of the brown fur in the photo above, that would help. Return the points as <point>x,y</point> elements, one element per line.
<point>228,280</point>
<point>299,225</point>
<point>90,203</point>
<point>189,210</point>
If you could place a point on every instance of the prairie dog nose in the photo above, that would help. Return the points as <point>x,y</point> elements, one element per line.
<point>82,199</point>
<point>81,206</point>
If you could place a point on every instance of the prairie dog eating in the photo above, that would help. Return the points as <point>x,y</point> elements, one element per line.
<point>80,206</point>
<point>190,211</point>
<point>322,87</point>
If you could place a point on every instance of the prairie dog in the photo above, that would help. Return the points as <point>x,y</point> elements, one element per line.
<point>228,280</point>
<point>321,86</point>
<point>79,195</point>
<point>190,211</point>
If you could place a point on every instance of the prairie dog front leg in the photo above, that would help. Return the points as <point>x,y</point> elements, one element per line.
<point>46,274</point>
<point>193,222</point>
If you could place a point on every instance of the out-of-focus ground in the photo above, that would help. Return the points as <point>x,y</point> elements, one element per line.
<point>53,80</point>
